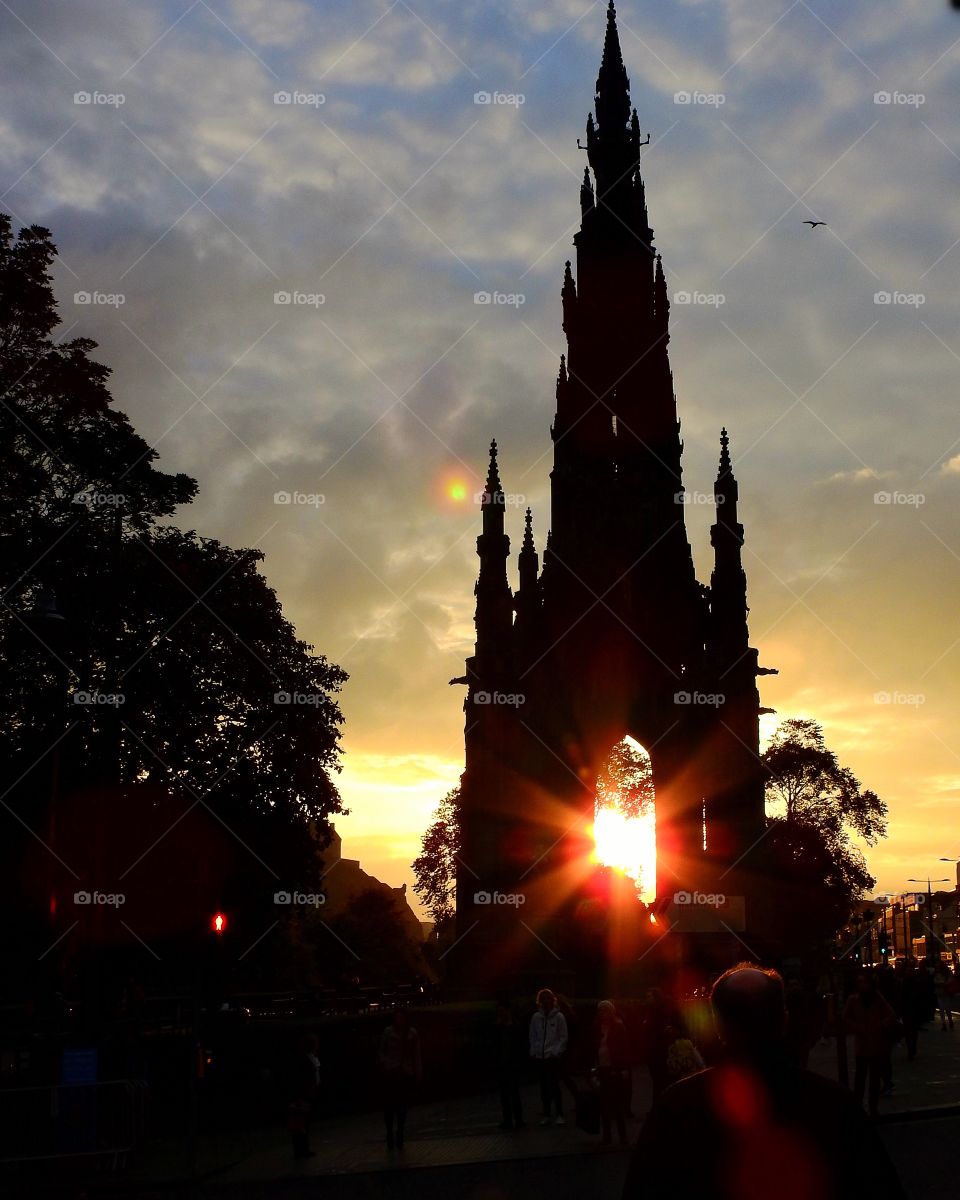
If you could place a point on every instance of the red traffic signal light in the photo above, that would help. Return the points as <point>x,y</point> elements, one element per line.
<point>218,922</point>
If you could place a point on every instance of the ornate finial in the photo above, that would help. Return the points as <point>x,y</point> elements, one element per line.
<point>725,464</point>
<point>528,531</point>
<point>493,475</point>
<point>562,377</point>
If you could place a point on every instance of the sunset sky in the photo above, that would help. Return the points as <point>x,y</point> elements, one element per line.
<point>385,189</point>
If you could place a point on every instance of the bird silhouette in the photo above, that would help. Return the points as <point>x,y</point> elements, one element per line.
<point>814,224</point>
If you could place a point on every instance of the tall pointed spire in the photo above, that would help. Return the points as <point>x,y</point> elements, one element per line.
<point>661,302</point>
<point>613,86</point>
<point>494,487</point>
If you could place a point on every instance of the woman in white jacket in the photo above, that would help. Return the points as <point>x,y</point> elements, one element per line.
<point>548,1042</point>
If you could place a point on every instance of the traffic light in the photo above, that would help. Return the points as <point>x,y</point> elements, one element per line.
<point>218,923</point>
<point>882,942</point>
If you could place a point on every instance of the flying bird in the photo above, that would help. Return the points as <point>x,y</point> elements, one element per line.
<point>814,224</point>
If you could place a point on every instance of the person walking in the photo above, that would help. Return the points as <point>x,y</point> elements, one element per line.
<point>612,1062</point>
<point>548,1043</point>
<point>304,1089</point>
<point>757,1125</point>
<point>941,991</point>
<point>510,1056</point>
<point>871,1020</point>
<point>401,1069</point>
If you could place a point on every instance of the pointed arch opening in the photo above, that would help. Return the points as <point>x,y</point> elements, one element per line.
<point>625,824</point>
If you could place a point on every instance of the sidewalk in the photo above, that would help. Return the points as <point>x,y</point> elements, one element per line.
<point>466,1130</point>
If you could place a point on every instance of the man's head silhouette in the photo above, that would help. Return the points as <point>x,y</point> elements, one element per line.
<point>749,1008</point>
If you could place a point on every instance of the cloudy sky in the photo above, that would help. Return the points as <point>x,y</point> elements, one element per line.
<point>183,187</point>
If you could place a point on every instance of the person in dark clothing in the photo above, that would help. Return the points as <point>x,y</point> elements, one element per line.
<point>402,1070</point>
<point>611,1055</point>
<point>304,1089</point>
<point>914,1008</point>
<point>657,1020</point>
<point>871,1020</point>
<point>757,1125</point>
<point>511,1053</point>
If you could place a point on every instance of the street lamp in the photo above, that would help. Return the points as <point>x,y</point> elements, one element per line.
<point>929,908</point>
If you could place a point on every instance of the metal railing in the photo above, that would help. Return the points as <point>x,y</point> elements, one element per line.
<point>58,1121</point>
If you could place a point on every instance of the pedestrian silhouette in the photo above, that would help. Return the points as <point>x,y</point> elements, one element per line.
<point>756,1126</point>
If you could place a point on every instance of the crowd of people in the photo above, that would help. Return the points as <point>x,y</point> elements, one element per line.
<point>584,1062</point>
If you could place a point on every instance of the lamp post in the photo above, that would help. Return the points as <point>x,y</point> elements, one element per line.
<point>930,882</point>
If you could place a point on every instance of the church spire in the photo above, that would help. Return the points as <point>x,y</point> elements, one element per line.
<point>661,304</point>
<point>528,594</point>
<point>613,86</point>
<point>494,598</point>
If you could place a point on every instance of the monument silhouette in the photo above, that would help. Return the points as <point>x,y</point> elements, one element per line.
<point>615,636</point>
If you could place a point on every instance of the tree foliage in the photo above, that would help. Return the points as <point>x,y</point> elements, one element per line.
<point>435,867</point>
<point>102,597</point>
<point>626,781</point>
<point>816,807</point>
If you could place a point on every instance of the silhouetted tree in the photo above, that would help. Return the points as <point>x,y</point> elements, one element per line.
<point>101,598</point>
<point>435,867</point>
<point>626,781</point>
<point>815,805</point>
